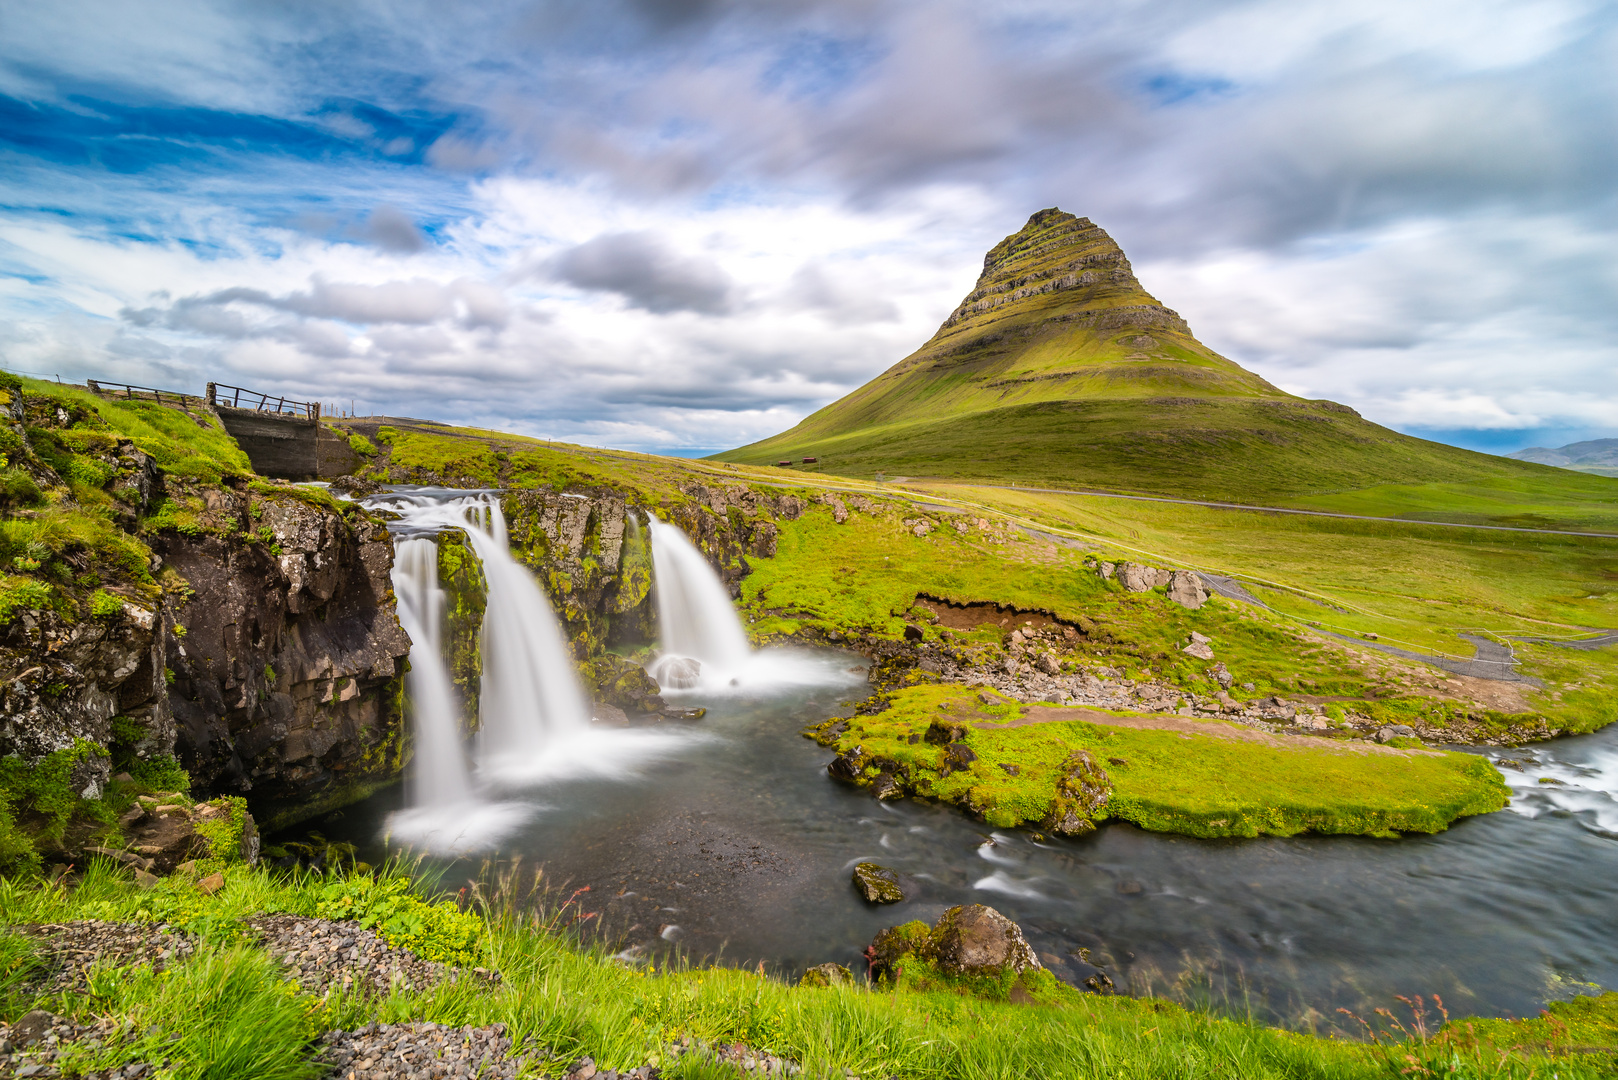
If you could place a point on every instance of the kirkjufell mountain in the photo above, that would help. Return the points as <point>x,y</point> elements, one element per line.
<point>1058,367</point>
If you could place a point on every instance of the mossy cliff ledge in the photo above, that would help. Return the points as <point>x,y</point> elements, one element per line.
<point>285,681</point>
<point>160,602</point>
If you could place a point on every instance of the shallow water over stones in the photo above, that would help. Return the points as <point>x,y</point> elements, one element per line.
<point>742,847</point>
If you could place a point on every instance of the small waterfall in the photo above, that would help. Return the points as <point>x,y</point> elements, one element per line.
<point>531,694</point>
<point>438,776</point>
<point>694,613</point>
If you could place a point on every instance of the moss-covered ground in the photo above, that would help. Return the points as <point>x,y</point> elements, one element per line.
<point>230,1012</point>
<point>1168,774</point>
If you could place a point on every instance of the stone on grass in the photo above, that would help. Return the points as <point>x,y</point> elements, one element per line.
<point>827,975</point>
<point>211,884</point>
<point>1187,590</point>
<point>877,884</point>
<point>1199,649</point>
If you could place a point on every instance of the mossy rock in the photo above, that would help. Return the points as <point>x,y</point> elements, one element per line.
<point>613,680</point>
<point>822,975</point>
<point>878,884</point>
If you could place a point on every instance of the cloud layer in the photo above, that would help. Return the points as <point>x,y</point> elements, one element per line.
<point>689,223</point>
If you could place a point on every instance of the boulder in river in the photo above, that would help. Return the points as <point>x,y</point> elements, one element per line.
<point>978,940</point>
<point>971,940</point>
<point>877,884</point>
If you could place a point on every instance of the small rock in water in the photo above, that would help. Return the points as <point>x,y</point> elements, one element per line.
<point>877,884</point>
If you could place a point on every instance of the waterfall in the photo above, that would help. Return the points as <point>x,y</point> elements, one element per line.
<point>438,776</point>
<point>694,613</point>
<point>531,694</point>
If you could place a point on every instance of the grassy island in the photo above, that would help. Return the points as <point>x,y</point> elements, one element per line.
<point>1203,778</point>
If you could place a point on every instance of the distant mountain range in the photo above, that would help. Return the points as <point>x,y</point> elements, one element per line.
<point>1059,368</point>
<point>1599,456</point>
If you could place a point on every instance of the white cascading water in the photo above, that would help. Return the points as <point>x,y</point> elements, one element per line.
<point>695,617</point>
<point>438,772</point>
<point>533,713</point>
<point>1580,779</point>
<point>531,698</point>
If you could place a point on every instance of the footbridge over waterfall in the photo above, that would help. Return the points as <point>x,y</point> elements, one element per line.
<point>281,437</point>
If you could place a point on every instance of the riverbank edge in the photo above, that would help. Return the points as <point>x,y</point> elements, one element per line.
<point>560,996</point>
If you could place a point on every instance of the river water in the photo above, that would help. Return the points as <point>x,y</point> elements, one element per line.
<point>727,839</point>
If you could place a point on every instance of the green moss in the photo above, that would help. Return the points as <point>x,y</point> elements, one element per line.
<point>17,489</point>
<point>38,802</point>
<point>361,445</point>
<point>105,605</point>
<point>19,594</point>
<point>1171,781</point>
<point>465,591</point>
<point>223,833</point>
<point>430,457</point>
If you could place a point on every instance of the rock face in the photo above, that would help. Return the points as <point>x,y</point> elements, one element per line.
<point>877,884</point>
<point>286,677</point>
<point>1187,590</point>
<point>245,627</point>
<point>1138,578</point>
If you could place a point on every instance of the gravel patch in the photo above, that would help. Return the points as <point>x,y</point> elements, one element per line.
<point>421,1052</point>
<point>34,1045</point>
<point>329,953</point>
<point>71,949</point>
<point>740,1055</point>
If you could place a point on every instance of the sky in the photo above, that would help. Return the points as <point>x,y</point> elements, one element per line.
<point>682,225</point>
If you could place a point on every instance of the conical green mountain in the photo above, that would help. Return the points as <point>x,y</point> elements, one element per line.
<point>1059,368</point>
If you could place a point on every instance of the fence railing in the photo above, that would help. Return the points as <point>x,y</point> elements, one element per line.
<point>239,397</point>
<point>131,393</point>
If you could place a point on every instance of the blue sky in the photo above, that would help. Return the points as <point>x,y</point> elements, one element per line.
<point>684,224</point>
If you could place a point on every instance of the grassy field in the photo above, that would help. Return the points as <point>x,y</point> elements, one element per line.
<point>1207,778</point>
<point>229,1013</point>
<point>1413,586</point>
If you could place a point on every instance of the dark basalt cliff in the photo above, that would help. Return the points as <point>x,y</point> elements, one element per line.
<point>242,626</point>
<point>285,681</point>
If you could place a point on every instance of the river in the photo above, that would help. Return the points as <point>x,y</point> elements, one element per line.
<point>726,839</point>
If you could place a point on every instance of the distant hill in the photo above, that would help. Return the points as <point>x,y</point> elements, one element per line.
<point>1059,368</point>
<point>1599,456</point>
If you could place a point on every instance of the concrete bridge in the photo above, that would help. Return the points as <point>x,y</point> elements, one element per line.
<point>282,438</point>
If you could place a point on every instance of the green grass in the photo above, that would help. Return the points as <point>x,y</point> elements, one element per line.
<point>1170,781</point>
<point>1228,450</point>
<point>227,1011</point>
<point>184,445</point>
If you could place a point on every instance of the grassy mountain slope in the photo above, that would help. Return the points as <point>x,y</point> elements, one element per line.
<point>1060,368</point>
